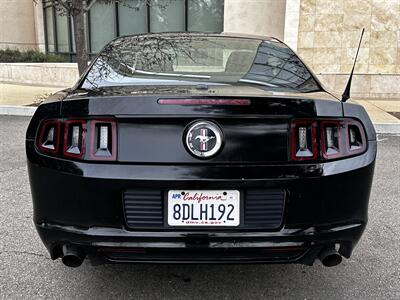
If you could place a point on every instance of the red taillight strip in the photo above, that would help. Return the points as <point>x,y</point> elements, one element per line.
<point>111,122</point>
<point>237,102</point>
<point>323,139</point>
<point>45,124</point>
<point>67,127</point>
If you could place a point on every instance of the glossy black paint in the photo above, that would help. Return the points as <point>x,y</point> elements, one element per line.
<point>85,197</point>
<point>79,202</point>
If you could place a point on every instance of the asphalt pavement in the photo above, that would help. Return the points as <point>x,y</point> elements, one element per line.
<point>27,272</point>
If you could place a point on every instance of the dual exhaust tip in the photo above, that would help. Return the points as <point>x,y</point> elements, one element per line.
<point>73,256</point>
<point>329,257</point>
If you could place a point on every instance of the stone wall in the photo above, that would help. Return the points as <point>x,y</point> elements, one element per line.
<point>260,17</point>
<point>292,23</point>
<point>329,32</point>
<point>17,25</point>
<point>39,26</point>
<point>46,74</point>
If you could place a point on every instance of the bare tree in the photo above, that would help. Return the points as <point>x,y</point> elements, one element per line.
<point>77,10</point>
<point>144,55</point>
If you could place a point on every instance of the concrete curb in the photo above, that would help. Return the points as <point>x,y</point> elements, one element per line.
<point>393,128</point>
<point>16,110</point>
<point>28,111</point>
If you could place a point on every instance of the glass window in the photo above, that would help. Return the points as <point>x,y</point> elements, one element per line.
<point>205,15</point>
<point>62,33</point>
<point>167,15</point>
<point>190,59</point>
<point>132,17</point>
<point>102,25</point>
<point>50,29</point>
<point>278,65</point>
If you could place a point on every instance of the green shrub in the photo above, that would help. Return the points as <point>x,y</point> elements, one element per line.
<point>30,56</point>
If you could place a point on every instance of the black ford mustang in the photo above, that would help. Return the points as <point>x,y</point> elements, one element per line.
<point>194,148</point>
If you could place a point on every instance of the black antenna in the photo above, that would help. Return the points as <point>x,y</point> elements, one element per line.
<point>346,94</point>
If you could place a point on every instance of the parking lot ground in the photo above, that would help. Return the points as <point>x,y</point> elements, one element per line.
<point>27,272</point>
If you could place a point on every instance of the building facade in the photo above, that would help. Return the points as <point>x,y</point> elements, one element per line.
<point>324,32</point>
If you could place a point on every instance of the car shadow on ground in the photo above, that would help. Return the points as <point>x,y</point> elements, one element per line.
<point>210,281</point>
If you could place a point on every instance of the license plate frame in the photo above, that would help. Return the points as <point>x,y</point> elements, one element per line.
<point>230,218</point>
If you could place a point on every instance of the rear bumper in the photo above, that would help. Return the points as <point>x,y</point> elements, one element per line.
<point>81,204</point>
<point>103,245</point>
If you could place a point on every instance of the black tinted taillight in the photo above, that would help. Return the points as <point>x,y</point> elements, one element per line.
<point>74,138</point>
<point>304,144</point>
<point>103,141</point>
<point>355,138</point>
<point>48,139</point>
<point>331,144</point>
<point>337,138</point>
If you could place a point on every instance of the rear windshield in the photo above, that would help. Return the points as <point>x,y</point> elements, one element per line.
<point>192,60</point>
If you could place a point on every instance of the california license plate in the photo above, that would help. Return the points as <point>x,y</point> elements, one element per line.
<point>203,208</point>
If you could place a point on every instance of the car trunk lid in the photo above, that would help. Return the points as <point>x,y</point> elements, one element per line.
<point>256,131</point>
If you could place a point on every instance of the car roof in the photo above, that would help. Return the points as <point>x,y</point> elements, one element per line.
<point>208,34</point>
